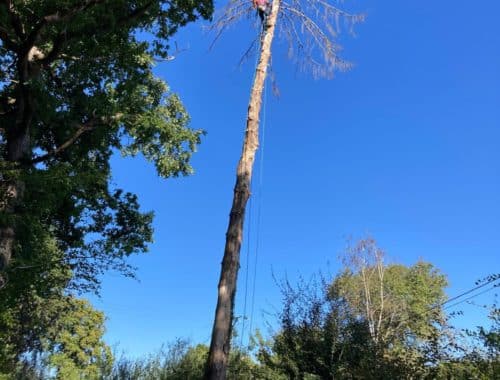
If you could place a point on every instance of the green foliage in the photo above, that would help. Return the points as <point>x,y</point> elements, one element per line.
<point>480,359</point>
<point>180,361</point>
<point>76,86</point>
<point>69,341</point>
<point>372,321</point>
<point>75,342</point>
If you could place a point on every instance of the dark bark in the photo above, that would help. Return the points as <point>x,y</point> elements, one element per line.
<point>17,137</point>
<point>29,61</point>
<point>11,193</point>
<point>221,333</point>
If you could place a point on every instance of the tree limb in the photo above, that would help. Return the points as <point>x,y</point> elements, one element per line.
<point>54,152</point>
<point>85,127</point>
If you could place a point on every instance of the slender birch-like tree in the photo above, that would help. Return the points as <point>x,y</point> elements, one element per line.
<point>310,28</point>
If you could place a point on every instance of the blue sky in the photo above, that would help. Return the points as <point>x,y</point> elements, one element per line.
<point>405,146</point>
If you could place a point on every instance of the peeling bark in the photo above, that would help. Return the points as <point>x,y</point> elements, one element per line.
<point>222,329</point>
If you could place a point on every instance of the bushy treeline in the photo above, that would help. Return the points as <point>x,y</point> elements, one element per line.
<point>372,320</point>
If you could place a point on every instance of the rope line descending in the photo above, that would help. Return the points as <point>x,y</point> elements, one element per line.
<point>259,207</point>
<point>247,264</point>
<point>249,218</point>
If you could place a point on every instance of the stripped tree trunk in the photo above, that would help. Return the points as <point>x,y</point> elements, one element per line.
<point>222,328</point>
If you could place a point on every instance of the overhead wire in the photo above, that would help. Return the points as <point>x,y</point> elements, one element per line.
<point>493,279</point>
<point>441,304</point>
<point>471,297</point>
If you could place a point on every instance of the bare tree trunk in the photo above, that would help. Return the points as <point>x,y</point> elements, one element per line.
<point>222,328</point>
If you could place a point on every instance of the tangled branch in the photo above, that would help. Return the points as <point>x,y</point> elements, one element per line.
<point>309,27</point>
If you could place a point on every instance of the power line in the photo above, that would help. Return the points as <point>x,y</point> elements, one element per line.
<point>471,297</point>
<point>492,279</point>
<point>441,304</point>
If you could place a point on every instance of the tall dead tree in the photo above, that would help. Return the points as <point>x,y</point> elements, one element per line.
<point>310,41</point>
<point>221,333</point>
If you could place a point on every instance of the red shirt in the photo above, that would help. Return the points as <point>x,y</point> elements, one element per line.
<point>260,3</point>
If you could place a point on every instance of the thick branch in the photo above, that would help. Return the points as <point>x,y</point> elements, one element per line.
<point>85,127</point>
<point>80,131</point>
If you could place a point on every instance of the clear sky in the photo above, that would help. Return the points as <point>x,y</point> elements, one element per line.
<point>405,146</point>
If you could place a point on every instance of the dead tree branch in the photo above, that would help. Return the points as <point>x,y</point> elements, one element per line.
<point>309,27</point>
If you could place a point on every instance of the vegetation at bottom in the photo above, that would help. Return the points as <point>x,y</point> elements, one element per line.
<point>372,320</point>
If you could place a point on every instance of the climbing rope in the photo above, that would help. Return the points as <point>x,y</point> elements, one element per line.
<point>249,228</point>
<point>249,218</point>
<point>259,206</point>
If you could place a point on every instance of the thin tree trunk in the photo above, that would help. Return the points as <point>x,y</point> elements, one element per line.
<point>222,328</point>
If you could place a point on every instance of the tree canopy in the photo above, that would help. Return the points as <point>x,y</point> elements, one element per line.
<point>372,321</point>
<point>77,86</point>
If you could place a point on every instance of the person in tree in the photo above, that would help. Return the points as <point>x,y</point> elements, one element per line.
<point>262,7</point>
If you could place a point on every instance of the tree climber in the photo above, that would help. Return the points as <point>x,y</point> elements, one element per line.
<point>262,7</point>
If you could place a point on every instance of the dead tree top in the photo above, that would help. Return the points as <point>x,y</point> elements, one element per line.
<point>309,28</point>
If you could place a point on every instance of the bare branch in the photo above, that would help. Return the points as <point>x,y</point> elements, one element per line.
<point>310,28</point>
<point>249,51</point>
<point>318,38</point>
<point>234,11</point>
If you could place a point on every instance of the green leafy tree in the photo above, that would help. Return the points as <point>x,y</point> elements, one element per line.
<point>77,85</point>
<point>400,305</point>
<point>69,342</point>
<point>75,342</point>
<point>373,321</point>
